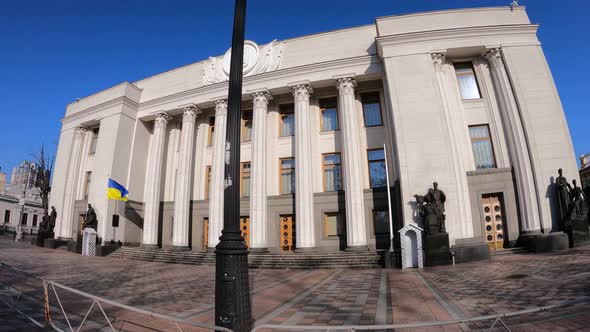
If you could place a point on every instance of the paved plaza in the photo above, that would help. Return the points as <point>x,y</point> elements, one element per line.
<point>309,297</point>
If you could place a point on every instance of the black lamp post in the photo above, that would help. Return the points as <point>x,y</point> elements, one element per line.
<point>232,291</point>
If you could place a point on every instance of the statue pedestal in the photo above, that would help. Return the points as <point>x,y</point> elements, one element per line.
<point>579,233</point>
<point>436,249</point>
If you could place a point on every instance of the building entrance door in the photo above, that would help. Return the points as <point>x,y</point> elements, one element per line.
<point>287,229</point>
<point>205,233</point>
<point>245,229</point>
<point>493,222</point>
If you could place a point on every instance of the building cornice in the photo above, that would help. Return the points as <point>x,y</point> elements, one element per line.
<point>122,100</point>
<point>267,79</point>
<point>421,41</point>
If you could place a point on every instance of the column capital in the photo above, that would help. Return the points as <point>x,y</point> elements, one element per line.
<point>494,57</point>
<point>220,106</point>
<point>161,120</point>
<point>346,85</point>
<point>438,59</point>
<point>301,90</point>
<point>79,131</point>
<point>261,98</point>
<point>190,113</point>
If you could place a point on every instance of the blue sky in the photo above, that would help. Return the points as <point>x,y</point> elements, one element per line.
<point>52,52</point>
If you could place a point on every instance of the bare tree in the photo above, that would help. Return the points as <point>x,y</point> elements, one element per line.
<point>44,177</point>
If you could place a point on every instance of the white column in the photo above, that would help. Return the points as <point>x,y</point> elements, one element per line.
<point>66,231</point>
<point>517,143</point>
<point>304,220</point>
<point>356,233</point>
<point>88,137</point>
<point>258,237</point>
<point>152,182</point>
<point>458,144</point>
<point>217,174</point>
<point>182,192</point>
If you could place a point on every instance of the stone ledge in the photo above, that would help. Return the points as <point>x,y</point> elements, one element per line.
<point>544,243</point>
<point>470,252</point>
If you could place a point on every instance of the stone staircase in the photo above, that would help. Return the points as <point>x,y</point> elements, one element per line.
<point>508,251</point>
<point>316,260</point>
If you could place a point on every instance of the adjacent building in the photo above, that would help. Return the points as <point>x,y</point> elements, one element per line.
<point>461,97</point>
<point>585,170</point>
<point>25,173</point>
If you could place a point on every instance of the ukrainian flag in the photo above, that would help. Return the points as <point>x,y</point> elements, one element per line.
<point>116,191</point>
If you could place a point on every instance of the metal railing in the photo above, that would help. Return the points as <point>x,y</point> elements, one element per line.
<point>14,295</point>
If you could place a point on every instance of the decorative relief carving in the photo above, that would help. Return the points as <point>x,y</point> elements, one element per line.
<point>346,85</point>
<point>256,60</point>
<point>494,57</point>
<point>190,113</point>
<point>220,107</point>
<point>161,120</point>
<point>261,98</point>
<point>301,91</point>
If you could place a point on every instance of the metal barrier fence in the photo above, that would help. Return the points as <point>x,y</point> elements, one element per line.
<point>13,296</point>
<point>22,299</point>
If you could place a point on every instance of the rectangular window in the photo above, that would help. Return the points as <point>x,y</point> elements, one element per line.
<point>481,143</point>
<point>332,172</point>
<point>331,221</point>
<point>245,186</point>
<point>7,216</point>
<point>329,116</point>
<point>207,181</point>
<point>377,174</point>
<point>211,131</point>
<point>372,110</point>
<point>24,220</point>
<point>87,184</point>
<point>287,179</point>
<point>246,126</point>
<point>35,220</point>
<point>94,141</point>
<point>287,125</point>
<point>467,80</point>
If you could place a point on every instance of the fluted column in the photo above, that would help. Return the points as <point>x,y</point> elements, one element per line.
<point>458,142</point>
<point>518,146</point>
<point>217,174</point>
<point>152,182</point>
<point>182,192</point>
<point>305,234</point>
<point>356,233</point>
<point>88,137</point>
<point>66,231</point>
<point>258,237</point>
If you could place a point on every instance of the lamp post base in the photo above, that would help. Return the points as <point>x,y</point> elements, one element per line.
<point>232,305</point>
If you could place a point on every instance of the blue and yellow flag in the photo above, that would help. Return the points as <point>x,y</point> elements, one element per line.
<point>116,191</point>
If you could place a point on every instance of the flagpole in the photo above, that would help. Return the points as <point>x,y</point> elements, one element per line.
<point>388,201</point>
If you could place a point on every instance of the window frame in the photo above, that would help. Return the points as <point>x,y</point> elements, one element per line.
<point>87,182</point>
<point>324,155</point>
<point>292,169</point>
<point>211,131</point>
<point>380,108</point>
<point>369,162</point>
<point>322,109</point>
<point>94,143</point>
<point>35,219</point>
<point>7,215</point>
<point>282,114</point>
<point>245,115</point>
<point>489,138</point>
<point>207,181</point>
<point>242,172</point>
<point>457,74</point>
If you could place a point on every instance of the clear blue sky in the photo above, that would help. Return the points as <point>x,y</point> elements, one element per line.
<point>52,52</point>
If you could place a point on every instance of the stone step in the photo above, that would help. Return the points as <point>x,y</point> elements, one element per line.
<point>508,251</point>
<point>323,260</point>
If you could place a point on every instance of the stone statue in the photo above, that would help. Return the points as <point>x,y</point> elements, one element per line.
<point>563,196</point>
<point>432,209</point>
<point>51,221</point>
<point>90,218</point>
<point>578,198</point>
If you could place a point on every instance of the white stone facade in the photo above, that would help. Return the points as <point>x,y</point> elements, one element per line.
<point>163,137</point>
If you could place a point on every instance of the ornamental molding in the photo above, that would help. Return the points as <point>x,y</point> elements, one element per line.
<point>220,107</point>
<point>494,57</point>
<point>261,98</point>
<point>161,120</point>
<point>301,91</point>
<point>190,113</point>
<point>346,85</point>
<point>257,59</point>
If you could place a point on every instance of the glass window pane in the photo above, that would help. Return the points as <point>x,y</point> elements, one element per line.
<point>331,221</point>
<point>481,144</point>
<point>331,159</point>
<point>372,114</point>
<point>376,154</point>
<point>467,81</point>
<point>287,182</point>
<point>329,119</point>
<point>288,124</point>
<point>247,127</point>
<point>381,222</point>
<point>332,178</point>
<point>287,163</point>
<point>377,174</point>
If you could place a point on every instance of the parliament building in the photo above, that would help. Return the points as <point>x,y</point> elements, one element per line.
<point>460,97</point>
